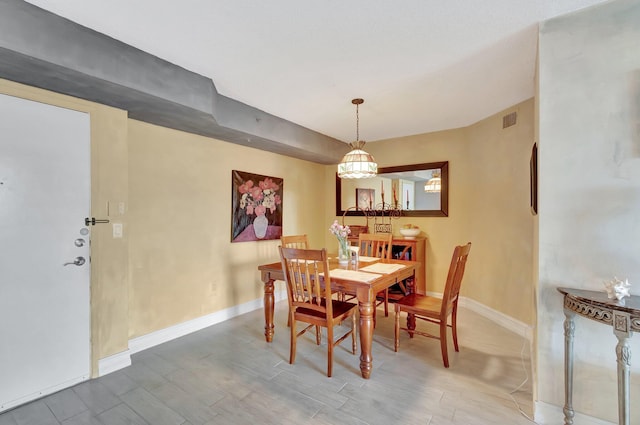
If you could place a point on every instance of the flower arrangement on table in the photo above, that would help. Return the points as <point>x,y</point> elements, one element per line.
<point>341,233</point>
<point>256,199</point>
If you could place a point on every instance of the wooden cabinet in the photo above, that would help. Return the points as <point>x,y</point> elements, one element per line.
<point>414,250</point>
<point>408,249</point>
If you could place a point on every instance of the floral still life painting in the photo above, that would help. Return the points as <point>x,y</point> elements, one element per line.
<point>257,207</point>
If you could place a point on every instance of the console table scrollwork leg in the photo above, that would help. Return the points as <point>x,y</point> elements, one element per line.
<point>569,331</point>
<point>622,331</point>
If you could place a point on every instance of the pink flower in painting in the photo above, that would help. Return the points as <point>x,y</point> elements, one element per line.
<point>257,199</point>
<point>256,193</point>
<point>245,187</point>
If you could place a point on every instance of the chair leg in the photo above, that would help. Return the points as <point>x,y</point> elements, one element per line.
<point>354,327</point>
<point>443,343</point>
<point>454,327</point>
<point>386,302</point>
<point>292,344</point>
<point>396,335</point>
<point>374,314</point>
<point>329,350</point>
<point>411,324</point>
<point>318,337</point>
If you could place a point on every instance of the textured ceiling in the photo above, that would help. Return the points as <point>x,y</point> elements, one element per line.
<point>420,65</point>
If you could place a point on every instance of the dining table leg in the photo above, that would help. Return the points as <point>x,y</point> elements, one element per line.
<point>366,307</point>
<point>268,309</point>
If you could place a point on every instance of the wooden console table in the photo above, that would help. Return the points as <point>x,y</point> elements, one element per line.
<point>412,250</point>
<point>624,316</point>
<point>409,250</point>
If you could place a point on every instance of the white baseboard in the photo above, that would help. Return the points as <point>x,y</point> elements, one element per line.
<point>6,405</point>
<point>115,362</point>
<point>550,414</point>
<point>495,316</point>
<point>498,318</point>
<point>122,360</point>
<point>167,334</point>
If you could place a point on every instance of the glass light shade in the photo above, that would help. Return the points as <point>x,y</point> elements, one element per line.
<point>357,164</point>
<point>433,185</point>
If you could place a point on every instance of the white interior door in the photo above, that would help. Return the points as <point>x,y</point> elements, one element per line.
<point>44,198</point>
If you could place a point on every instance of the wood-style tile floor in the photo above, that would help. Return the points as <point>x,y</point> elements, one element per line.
<point>228,374</point>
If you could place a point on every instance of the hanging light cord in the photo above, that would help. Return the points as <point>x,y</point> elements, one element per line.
<point>357,102</point>
<point>357,123</point>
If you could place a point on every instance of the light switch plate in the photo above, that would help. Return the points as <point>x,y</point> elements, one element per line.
<point>117,230</point>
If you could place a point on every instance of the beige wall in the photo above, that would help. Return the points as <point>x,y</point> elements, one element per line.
<point>488,206</point>
<point>109,185</point>
<point>183,264</point>
<point>500,221</point>
<point>177,225</point>
<point>589,112</point>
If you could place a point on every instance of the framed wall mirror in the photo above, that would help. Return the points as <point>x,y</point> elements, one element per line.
<point>404,183</point>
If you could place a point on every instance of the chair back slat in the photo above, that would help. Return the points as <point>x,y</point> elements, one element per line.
<point>375,244</point>
<point>295,241</point>
<point>454,277</point>
<point>305,272</point>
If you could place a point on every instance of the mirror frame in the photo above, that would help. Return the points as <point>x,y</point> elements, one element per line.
<point>444,193</point>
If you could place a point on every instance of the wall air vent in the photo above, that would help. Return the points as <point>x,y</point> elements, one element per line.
<point>509,119</point>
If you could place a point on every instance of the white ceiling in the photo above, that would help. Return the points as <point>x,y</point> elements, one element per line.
<point>420,65</point>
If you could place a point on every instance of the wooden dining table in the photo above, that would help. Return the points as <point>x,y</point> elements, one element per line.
<point>348,279</point>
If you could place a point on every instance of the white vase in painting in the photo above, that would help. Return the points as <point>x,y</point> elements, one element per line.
<point>260,225</point>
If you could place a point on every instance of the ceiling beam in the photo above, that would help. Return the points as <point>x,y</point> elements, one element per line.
<point>44,50</point>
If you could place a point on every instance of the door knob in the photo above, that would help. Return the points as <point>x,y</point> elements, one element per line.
<point>78,262</point>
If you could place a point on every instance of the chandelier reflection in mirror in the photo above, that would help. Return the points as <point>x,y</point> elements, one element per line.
<point>434,184</point>
<point>357,164</point>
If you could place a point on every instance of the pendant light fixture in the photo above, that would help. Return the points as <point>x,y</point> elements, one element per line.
<point>357,164</point>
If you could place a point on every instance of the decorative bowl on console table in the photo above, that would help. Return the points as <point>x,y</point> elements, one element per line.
<point>410,233</point>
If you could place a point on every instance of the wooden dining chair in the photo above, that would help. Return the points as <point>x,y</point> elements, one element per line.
<point>305,270</point>
<point>302,242</point>
<point>436,310</point>
<point>295,241</point>
<point>377,245</point>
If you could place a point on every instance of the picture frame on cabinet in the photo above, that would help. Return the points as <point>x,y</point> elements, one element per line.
<point>365,198</point>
